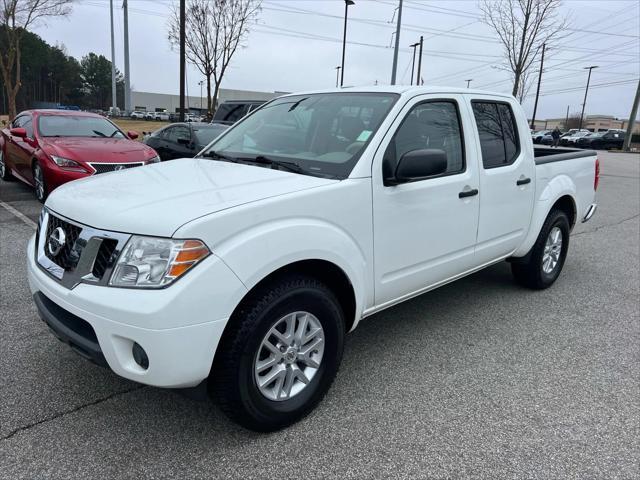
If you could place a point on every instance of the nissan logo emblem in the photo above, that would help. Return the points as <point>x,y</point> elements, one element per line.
<point>57,241</point>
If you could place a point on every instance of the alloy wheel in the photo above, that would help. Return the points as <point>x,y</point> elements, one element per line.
<point>39,180</point>
<point>552,250</point>
<point>2,166</point>
<point>289,356</point>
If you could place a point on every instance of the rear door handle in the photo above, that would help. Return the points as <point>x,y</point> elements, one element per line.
<point>523,181</point>
<point>468,193</point>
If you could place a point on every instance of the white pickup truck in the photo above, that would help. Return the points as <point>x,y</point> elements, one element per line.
<point>241,270</point>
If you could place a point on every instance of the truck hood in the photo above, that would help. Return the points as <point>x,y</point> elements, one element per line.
<point>158,199</point>
<point>112,150</point>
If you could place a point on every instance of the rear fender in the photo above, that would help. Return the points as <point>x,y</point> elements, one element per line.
<point>558,187</point>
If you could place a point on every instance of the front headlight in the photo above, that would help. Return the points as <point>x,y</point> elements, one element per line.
<point>67,163</point>
<point>150,262</point>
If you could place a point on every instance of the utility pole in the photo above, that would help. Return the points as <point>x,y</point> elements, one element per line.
<point>113,63</point>
<point>338,75</point>
<point>413,63</point>
<point>468,80</point>
<point>201,82</point>
<point>535,105</point>
<point>182,58</point>
<point>419,61</point>
<point>632,119</point>
<point>584,103</point>
<point>395,51</point>
<point>127,78</point>
<point>344,37</point>
<point>566,119</point>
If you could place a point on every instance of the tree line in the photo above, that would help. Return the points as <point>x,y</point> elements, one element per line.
<point>50,76</point>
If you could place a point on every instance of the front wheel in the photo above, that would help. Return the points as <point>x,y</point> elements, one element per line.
<point>40,183</point>
<point>4,170</point>
<point>280,354</point>
<point>546,258</point>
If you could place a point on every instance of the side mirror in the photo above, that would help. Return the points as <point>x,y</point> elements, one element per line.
<point>132,134</point>
<point>184,141</point>
<point>18,132</point>
<point>419,164</point>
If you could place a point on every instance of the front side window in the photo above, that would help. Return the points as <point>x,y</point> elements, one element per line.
<point>433,125</point>
<point>178,132</point>
<point>324,134</point>
<point>77,126</point>
<point>498,133</point>
<point>28,126</point>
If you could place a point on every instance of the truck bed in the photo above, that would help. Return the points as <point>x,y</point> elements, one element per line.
<point>544,154</point>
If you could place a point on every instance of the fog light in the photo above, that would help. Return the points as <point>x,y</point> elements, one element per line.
<point>140,356</point>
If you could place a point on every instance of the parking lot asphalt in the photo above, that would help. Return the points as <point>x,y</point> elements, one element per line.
<point>478,379</point>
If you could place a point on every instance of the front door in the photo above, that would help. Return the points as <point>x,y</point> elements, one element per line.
<point>424,231</point>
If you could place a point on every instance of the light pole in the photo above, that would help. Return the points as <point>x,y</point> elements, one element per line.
<point>394,67</point>
<point>585,93</point>
<point>338,75</point>
<point>201,82</point>
<point>344,37</point>
<point>413,63</point>
<point>468,80</point>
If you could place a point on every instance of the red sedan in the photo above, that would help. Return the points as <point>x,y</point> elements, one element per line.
<point>46,148</point>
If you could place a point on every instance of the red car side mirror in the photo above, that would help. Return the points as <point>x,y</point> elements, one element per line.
<point>133,134</point>
<point>18,132</point>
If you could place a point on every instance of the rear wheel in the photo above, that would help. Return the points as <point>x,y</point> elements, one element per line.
<point>546,258</point>
<point>280,354</point>
<point>40,183</point>
<point>4,170</point>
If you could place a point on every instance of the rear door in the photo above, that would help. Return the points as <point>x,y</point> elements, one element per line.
<point>507,178</point>
<point>425,231</point>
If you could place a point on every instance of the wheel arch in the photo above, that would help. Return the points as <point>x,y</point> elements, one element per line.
<point>560,193</point>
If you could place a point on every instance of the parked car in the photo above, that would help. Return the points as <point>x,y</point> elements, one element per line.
<point>47,148</point>
<point>161,116</point>
<point>137,115</point>
<point>247,265</point>
<point>547,139</point>
<point>539,135</point>
<point>611,139</point>
<point>573,138</point>
<point>231,111</point>
<point>182,140</point>
<point>150,115</point>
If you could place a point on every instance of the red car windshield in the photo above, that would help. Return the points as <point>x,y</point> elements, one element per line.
<point>77,126</point>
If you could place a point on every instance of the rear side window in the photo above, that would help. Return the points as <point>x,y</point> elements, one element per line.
<point>231,112</point>
<point>498,133</point>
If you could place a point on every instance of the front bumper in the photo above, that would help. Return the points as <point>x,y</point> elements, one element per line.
<point>103,323</point>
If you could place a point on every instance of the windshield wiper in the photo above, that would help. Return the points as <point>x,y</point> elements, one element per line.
<point>261,159</point>
<point>219,156</point>
<point>100,134</point>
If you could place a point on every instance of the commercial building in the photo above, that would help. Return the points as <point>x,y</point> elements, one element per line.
<point>156,102</point>
<point>594,123</point>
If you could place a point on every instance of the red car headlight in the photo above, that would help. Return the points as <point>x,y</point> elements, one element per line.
<point>67,164</point>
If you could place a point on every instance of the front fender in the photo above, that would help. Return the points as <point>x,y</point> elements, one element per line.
<point>261,249</point>
<point>558,187</point>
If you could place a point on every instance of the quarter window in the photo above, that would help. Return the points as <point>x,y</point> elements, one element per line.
<point>429,125</point>
<point>498,133</point>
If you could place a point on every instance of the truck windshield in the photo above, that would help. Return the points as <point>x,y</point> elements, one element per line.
<point>324,134</point>
<point>77,126</point>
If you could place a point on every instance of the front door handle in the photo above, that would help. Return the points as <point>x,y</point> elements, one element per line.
<point>468,193</point>
<point>523,181</point>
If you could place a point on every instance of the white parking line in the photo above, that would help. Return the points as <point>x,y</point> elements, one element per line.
<point>16,213</point>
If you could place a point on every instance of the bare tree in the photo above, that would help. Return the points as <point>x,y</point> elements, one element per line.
<point>523,26</point>
<point>15,18</point>
<point>214,31</point>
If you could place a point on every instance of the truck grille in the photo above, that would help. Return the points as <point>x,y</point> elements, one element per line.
<point>104,258</point>
<point>68,256</point>
<point>112,167</point>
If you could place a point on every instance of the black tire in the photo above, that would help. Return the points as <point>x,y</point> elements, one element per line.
<point>5,174</point>
<point>41,194</point>
<point>530,272</point>
<point>233,383</point>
